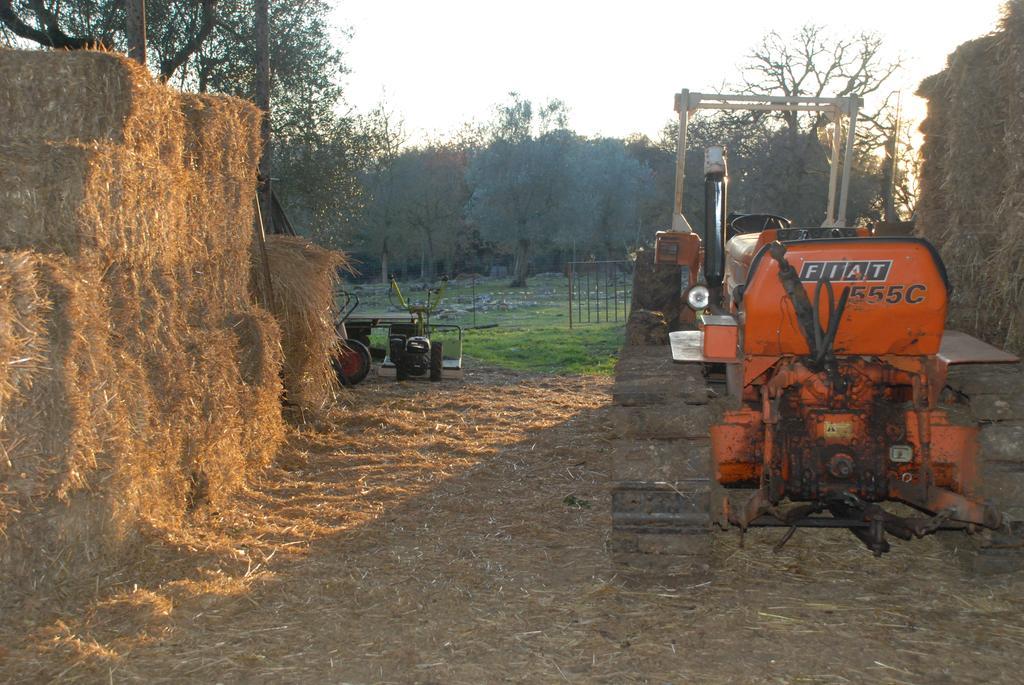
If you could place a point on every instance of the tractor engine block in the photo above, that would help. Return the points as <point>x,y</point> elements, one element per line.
<point>861,428</point>
<point>820,452</point>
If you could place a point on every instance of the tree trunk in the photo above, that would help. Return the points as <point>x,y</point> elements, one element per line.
<point>261,28</point>
<point>522,265</point>
<point>449,263</point>
<point>135,29</point>
<point>204,75</point>
<point>384,266</point>
<point>431,261</point>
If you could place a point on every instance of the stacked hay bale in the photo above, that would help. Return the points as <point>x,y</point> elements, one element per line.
<point>138,381</point>
<point>222,136</point>
<point>972,180</point>
<point>303,277</point>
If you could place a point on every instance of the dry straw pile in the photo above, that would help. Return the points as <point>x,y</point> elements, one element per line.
<point>972,179</point>
<point>137,379</point>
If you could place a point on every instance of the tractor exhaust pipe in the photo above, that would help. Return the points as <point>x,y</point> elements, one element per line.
<point>716,182</point>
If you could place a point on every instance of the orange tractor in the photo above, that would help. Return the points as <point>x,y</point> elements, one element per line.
<point>829,344</point>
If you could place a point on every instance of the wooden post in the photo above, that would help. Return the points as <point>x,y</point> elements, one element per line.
<point>261,29</point>
<point>135,29</point>
<point>572,284</point>
<point>264,283</point>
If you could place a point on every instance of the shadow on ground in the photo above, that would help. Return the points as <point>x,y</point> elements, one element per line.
<point>429,539</point>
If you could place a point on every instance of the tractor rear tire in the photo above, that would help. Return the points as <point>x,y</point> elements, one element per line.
<point>664,494</point>
<point>436,361</point>
<point>994,394</point>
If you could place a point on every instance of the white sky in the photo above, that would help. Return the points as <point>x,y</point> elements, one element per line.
<point>616,64</point>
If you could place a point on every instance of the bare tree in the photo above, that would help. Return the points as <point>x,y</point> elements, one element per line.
<point>903,169</point>
<point>813,63</point>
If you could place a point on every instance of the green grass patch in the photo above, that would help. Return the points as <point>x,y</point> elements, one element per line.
<point>532,326</point>
<point>591,349</point>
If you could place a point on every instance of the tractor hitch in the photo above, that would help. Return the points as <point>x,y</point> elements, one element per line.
<point>867,521</point>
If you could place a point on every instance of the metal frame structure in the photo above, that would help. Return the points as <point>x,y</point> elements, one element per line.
<point>686,103</point>
<point>617,274</point>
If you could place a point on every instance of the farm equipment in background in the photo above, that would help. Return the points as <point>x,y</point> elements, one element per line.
<point>353,361</point>
<point>823,369</point>
<point>413,350</point>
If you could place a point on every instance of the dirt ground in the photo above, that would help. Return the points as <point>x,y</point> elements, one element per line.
<point>456,534</point>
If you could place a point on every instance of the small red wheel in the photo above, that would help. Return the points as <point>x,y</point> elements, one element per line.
<point>352,364</point>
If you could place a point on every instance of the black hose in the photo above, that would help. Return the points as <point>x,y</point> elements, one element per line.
<point>831,301</point>
<point>822,346</point>
<point>833,325</point>
<point>819,335</point>
<point>807,313</point>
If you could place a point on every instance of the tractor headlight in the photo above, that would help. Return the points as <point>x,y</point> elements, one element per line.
<point>698,298</point>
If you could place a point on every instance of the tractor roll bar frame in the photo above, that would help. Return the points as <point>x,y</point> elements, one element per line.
<point>686,103</point>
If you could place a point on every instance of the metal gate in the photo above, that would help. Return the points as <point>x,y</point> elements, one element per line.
<point>599,292</point>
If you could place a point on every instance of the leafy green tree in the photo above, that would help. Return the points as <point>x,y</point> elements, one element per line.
<point>431,195</point>
<point>318,181</point>
<point>522,180</point>
<point>176,29</point>
<point>610,188</point>
<point>521,194</point>
<point>378,230</point>
<point>657,158</point>
<point>317,152</point>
